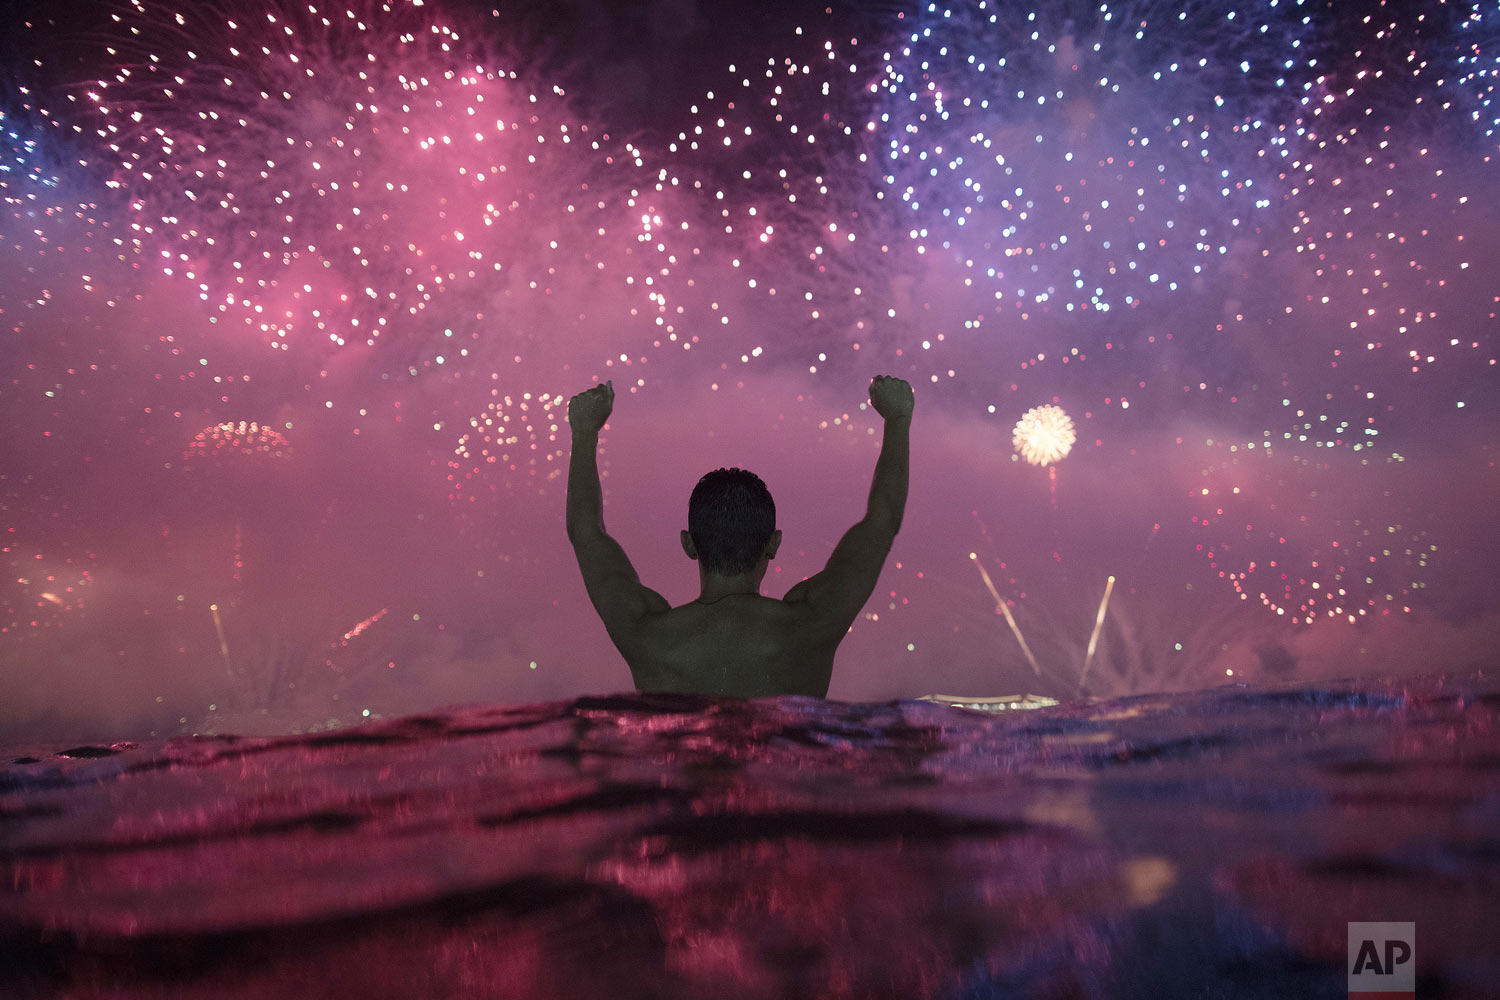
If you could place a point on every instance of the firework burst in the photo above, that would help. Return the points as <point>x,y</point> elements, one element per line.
<point>244,438</point>
<point>1044,435</point>
<point>516,432</point>
<point>347,177</point>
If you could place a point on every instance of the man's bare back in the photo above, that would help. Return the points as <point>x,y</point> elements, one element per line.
<point>744,645</point>
<point>732,640</point>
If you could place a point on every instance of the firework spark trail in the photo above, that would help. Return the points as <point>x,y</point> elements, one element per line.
<point>361,626</point>
<point>223,642</point>
<point>1016,631</point>
<point>1088,658</point>
<point>1004,608</point>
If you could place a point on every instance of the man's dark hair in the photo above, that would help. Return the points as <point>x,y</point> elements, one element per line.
<point>731,517</point>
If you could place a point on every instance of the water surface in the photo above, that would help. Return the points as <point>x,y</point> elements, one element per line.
<point>1207,844</point>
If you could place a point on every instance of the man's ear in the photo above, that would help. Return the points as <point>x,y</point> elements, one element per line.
<point>773,544</point>
<point>688,546</point>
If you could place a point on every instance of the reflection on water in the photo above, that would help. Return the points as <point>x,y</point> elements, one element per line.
<point>669,846</point>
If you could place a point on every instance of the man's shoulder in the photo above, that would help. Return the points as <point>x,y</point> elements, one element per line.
<point>799,592</point>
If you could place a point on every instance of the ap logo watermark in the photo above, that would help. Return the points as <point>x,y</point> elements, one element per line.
<point>1382,961</point>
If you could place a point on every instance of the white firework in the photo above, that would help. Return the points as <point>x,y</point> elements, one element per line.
<point>1044,435</point>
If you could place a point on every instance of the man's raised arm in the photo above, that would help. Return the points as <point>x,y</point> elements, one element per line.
<point>613,586</point>
<point>893,400</point>
<point>849,578</point>
<point>587,413</point>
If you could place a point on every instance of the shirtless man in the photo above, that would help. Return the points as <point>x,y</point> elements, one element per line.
<point>732,640</point>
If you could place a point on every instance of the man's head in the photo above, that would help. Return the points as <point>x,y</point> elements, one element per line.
<point>731,522</point>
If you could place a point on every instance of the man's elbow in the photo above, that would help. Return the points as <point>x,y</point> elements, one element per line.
<point>885,518</point>
<point>580,528</point>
